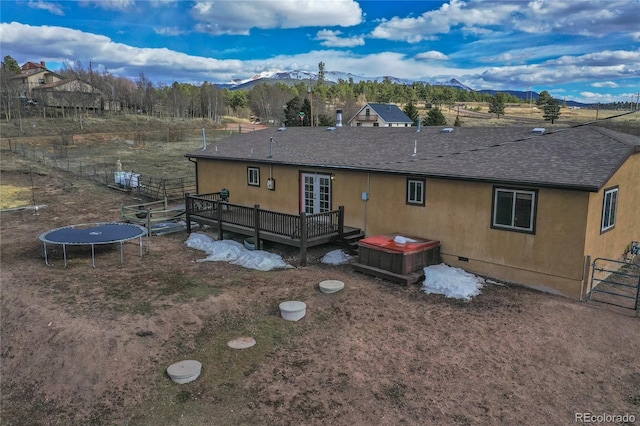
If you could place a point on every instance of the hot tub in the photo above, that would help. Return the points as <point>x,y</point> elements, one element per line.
<point>398,253</point>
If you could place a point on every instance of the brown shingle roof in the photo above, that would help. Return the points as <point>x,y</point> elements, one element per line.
<point>581,157</point>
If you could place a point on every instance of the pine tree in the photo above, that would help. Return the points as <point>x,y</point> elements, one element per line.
<point>496,104</point>
<point>434,118</point>
<point>543,99</point>
<point>292,112</point>
<point>551,111</point>
<point>10,65</point>
<point>412,112</point>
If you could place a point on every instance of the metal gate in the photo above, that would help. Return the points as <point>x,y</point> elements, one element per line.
<point>616,283</point>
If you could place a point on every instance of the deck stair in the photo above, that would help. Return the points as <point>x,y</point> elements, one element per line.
<point>350,238</point>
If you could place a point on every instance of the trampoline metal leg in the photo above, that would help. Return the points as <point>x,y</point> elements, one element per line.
<point>64,252</point>
<point>46,258</point>
<point>93,255</point>
<point>121,252</point>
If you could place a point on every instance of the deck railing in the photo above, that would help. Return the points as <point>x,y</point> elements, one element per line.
<point>301,229</point>
<point>367,117</point>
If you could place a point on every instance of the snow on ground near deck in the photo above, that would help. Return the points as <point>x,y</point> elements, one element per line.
<point>336,257</point>
<point>451,282</point>
<point>439,279</point>
<point>235,253</point>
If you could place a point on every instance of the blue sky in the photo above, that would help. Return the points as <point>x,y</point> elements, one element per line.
<point>583,50</point>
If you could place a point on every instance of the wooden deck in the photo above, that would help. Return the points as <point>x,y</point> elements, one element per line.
<point>303,230</point>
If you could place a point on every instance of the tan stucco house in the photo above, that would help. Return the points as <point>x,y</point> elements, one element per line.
<point>33,75</point>
<point>380,115</point>
<point>37,83</point>
<point>505,202</point>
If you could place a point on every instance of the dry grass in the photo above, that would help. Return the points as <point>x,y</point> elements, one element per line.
<point>83,345</point>
<point>14,196</point>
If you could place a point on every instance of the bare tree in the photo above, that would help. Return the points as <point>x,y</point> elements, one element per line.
<point>268,101</point>
<point>9,86</point>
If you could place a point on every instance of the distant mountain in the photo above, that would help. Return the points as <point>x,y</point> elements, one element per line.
<point>333,77</point>
<point>295,77</point>
<point>454,83</point>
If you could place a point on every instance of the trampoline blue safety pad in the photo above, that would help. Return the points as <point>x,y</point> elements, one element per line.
<point>93,234</point>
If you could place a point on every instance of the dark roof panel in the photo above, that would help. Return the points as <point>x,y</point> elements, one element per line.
<point>391,113</point>
<point>582,157</point>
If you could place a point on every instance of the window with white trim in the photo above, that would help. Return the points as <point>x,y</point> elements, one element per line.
<point>253,176</point>
<point>415,191</point>
<point>514,209</point>
<point>609,208</point>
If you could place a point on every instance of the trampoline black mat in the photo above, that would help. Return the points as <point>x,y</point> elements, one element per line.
<point>105,233</point>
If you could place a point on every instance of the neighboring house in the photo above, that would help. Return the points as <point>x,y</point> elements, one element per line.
<point>32,76</point>
<point>380,115</point>
<point>36,83</point>
<point>69,94</point>
<point>520,206</point>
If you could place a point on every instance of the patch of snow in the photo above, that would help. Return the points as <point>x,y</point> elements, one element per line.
<point>235,253</point>
<point>451,282</point>
<point>336,257</point>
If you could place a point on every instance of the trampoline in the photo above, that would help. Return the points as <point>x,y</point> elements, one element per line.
<point>92,234</point>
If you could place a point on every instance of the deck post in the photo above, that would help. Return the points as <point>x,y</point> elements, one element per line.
<point>341,222</point>
<point>187,212</point>
<point>256,224</point>
<point>219,211</point>
<point>303,239</point>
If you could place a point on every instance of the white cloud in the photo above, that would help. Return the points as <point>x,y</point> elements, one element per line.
<point>53,8</point>
<point>432,55</point>
<point>456,13</point>
<point>238,17</point>
<point>165,65</point>
<point>332,38</point>
<point>604,58</point>
<point>109,4</point>
<point>168,31</point>
<point>605,65</point>
<point>117,57</point>
<point>579,17</point>
<point>591,97</point>
<point>368,65</point>
<point>610,84</point>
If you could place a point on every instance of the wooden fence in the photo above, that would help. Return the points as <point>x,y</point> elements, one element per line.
<point>150,187</point>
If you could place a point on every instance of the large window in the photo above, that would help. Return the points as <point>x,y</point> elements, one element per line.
<point>609,209</point>
<point>415,191</point>
<point>514,209</point>
<point>253,176</point>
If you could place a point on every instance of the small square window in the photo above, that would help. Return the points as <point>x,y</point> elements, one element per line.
<point>253,176</point>
<point>415,191</point>
<point>609,208</point>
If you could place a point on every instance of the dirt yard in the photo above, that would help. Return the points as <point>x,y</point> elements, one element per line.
<point>90,346</point>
